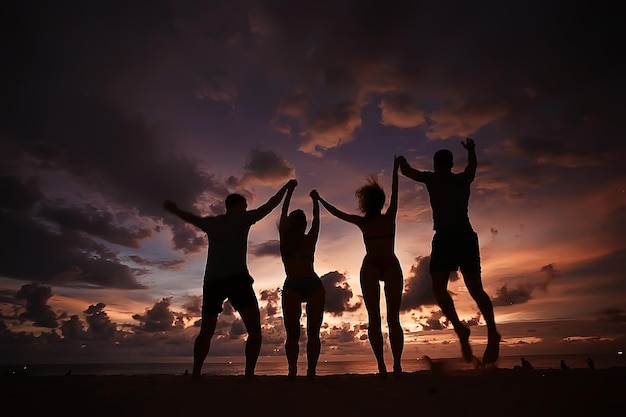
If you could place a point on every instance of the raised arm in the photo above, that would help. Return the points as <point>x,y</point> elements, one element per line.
<point>315,223</point>
<point>472,162</point>
<point>184,215</point>
<point>286,201</point>
<point>351,218</point>
<point>393,202</point>
<point>271,204</point>
<point>285,211</point>
<point>407,170</point>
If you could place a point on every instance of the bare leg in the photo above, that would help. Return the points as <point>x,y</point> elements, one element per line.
<point>203,343</point>
<point>314,317</point>
<point>473,282</point>
<point>292,310</point>
<point>440,289</point>
<point>394,284</point>
<point>252,320</point>
<point>371,296</point>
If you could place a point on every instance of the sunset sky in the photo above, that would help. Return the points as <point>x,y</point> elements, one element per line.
<point>108,108</point>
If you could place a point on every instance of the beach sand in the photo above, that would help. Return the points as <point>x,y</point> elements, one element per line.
<point>489,392</point>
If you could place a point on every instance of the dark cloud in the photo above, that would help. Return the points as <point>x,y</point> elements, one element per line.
<point>266,167</point>
<point>435,321</point>
<point>519,295</point>
<point>96,223</point>
<point>418,290</point>
<point>76,128</point>
<point>193,305</point>
<point>65,257</point>
<point>187,238</point>
<point>7,297</point>
<point>338,294</point>
<point>272,300</point>
<point>523,292</point>
<point>400,109</point>
<point>269,248</point>
<point>343,334</point>
<point>37,308</point>
<point>237,329</point>
<point>159,318</point>
<point>73,329</point>
<point>330,127</point>
<point>171,265</point>
<point>100,325</point>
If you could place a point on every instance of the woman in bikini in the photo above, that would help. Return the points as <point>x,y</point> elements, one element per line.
<point>380,264</point>
<point>302,284</point>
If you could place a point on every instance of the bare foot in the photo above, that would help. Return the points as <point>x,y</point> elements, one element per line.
<point>382,371</point>
<point>493,349</point>
<point>464,334</point>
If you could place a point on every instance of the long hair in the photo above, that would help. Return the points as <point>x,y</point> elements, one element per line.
<point>371,197</point>
<point>292,232</point>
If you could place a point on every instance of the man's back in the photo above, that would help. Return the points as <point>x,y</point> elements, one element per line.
<point>228,243</point>
<point>449,198</point>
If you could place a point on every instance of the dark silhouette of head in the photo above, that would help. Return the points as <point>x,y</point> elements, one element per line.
<point>235,202</point>
<point>371,197</point>
<point>296,221</point>
<point>292,233</point>
<point>443,160</point>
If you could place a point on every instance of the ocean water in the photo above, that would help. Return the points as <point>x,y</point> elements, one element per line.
<point>278,366</point>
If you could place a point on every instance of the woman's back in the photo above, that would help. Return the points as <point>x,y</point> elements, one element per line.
<point>379,234</point>
<point>297,254</point>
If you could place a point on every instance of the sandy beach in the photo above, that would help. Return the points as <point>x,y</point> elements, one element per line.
<point>503,392</point>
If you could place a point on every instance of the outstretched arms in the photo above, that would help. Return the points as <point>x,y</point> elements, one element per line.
<point>351,218</point>
<point>184,215</point>
<point>271,204</point>
<point>407,170</point>
<point>472,162</point>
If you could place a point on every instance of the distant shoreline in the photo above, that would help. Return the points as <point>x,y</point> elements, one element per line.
<point>277,366</point>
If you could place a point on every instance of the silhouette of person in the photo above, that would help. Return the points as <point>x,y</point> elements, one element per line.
<point>591,363</point>
<point>455,244</point>
<point>379,264</point>
<point>226,275</point>
<point>302,284</point>
<point>526,364</point>
<point>564,366</point>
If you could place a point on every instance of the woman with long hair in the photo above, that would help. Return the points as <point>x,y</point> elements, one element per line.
<point>302,285</point>
<point>379,264</point>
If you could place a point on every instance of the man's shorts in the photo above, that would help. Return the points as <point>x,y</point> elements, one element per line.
<point>236,288</point>
<point>453,249</point>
